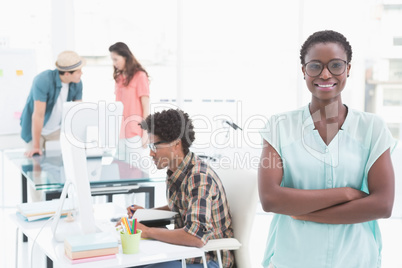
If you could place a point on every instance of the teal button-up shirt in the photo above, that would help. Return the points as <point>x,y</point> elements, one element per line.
<point>46,87</point>
<point>308,163</point>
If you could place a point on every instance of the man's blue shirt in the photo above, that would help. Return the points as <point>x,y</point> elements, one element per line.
<point>46,88</point>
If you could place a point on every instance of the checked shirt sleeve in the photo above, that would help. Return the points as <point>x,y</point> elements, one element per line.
<point>202,193</point>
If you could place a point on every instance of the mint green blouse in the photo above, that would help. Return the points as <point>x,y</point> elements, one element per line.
<point>308,163</point>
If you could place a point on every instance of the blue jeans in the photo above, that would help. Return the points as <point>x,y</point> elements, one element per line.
<point>177,264</point>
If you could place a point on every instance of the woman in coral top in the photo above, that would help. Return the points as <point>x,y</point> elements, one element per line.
<point>132,89</point>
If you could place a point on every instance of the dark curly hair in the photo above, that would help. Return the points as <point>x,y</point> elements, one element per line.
<point>170,125</point>
<point>326,36</point>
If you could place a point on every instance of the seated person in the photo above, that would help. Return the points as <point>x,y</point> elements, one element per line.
<point>194,190</point>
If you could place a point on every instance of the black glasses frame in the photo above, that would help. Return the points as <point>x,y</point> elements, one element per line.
<point>325,66</point>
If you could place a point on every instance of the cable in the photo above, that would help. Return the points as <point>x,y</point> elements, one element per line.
<point>233,125</point>
<point>34,241</point>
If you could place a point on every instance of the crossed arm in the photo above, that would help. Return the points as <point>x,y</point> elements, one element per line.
<point>343,205</point>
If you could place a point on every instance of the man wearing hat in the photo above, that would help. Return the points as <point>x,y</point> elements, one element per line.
<point>41,117</point>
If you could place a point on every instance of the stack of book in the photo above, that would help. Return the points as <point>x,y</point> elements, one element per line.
<point>91,247</point>
<point>42,210</point>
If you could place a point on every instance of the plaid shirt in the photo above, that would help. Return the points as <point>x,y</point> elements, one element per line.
<point>195,191</point>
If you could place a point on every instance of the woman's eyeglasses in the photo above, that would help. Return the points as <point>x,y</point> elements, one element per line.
<point>335,67</point>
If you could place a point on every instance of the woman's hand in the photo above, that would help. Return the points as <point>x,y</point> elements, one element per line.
<point>355,194</point>
<point>300,217</point>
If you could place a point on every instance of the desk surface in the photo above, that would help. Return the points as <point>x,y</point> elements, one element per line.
<point>151,251</point>
<point>47,172</point>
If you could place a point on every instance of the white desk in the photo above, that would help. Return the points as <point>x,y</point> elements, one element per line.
<point>151,251</point>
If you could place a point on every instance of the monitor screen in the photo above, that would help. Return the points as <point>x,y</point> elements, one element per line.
<point>92,126</point>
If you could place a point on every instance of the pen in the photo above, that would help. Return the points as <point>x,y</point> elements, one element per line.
<point>125,223</point>
<point>123,228</point>
<point>128,226</point>
<point>131,209</point>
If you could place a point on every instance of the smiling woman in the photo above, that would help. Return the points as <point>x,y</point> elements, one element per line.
<point>336,170</point>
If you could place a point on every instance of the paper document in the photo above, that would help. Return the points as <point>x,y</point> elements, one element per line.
<point>153,214</point>
<point>44,207</point>
<point>43,210</point>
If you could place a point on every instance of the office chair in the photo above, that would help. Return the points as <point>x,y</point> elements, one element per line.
<point>241,191</point>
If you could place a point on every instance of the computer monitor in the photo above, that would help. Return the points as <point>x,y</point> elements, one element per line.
<point>88,129</point>
<point>92,126</point>
<point>78,189</point>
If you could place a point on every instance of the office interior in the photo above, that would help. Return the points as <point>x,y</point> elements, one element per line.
<point>219,61</point>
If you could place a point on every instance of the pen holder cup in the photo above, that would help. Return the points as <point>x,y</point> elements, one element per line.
<point>130,243</point>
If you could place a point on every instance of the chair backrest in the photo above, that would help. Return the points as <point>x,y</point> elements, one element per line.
<point>241,191</point>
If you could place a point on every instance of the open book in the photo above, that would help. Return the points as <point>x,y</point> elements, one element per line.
<point>153,214</point>
<point>151,217</point>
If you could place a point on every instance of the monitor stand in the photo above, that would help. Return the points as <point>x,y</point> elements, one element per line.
<point>72,225</point>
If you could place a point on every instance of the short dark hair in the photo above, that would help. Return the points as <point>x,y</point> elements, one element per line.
<point>170,125</point>
<point>326,36</point>
<point>63,72</point>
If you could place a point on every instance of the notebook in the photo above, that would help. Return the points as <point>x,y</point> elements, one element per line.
<point>43,210</point>
<point>90,241</point>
